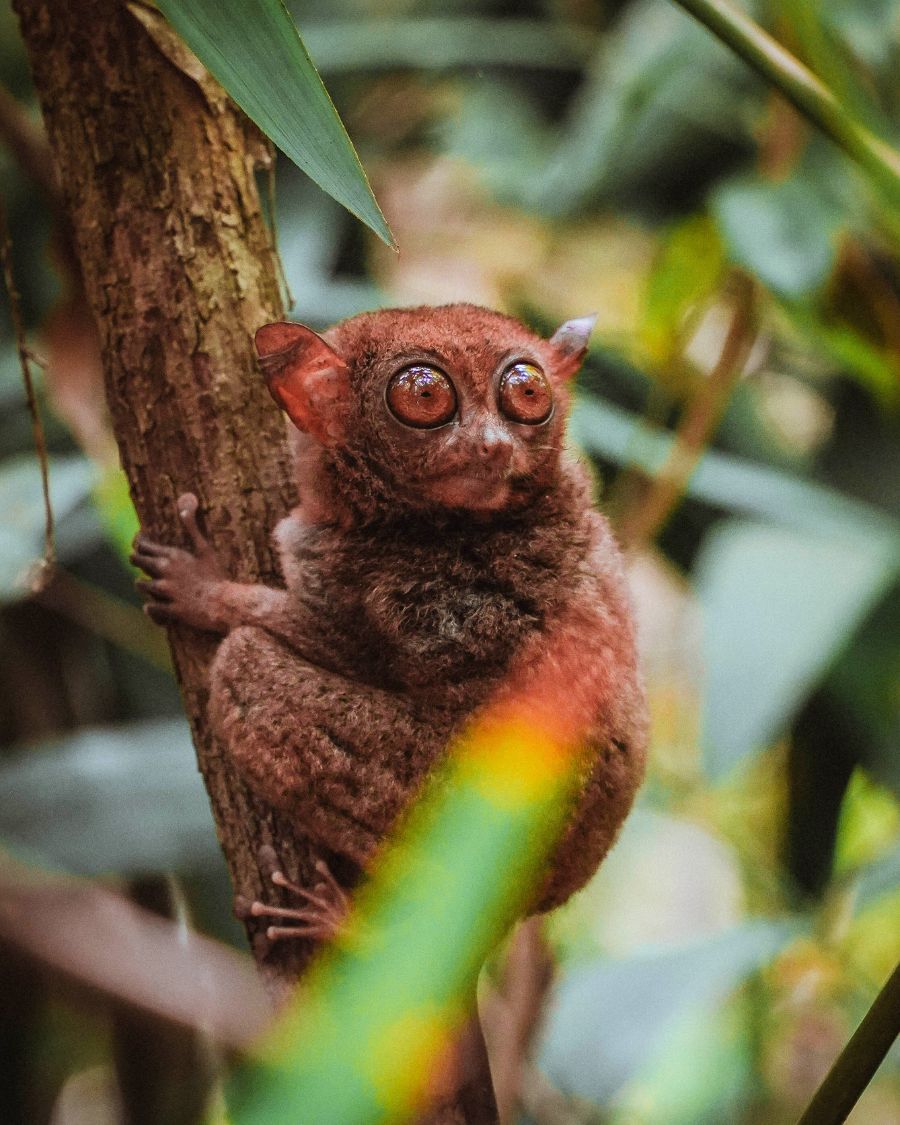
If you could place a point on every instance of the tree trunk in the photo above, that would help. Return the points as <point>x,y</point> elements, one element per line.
<point>157,169</point>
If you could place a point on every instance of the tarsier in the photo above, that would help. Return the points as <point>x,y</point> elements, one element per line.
<point>444,543</point>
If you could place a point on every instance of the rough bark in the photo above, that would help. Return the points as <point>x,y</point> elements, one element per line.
<point>157,169</point>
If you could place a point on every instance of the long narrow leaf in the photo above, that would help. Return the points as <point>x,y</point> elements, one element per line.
<point>256,53</point>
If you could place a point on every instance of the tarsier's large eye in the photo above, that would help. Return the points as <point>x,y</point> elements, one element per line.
<point>525,394</point>
<point>421,396</point>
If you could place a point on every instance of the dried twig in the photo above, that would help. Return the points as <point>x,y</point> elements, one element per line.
<point>648,513</point>
<point>37,426</point>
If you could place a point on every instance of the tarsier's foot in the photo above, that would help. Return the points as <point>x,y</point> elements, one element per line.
<point>325,909</point>
<point>183,584</point>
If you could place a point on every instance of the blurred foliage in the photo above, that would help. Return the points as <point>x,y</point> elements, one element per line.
<point>551,159</point>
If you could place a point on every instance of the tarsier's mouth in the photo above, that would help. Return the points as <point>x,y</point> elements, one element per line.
<point>477,491</point>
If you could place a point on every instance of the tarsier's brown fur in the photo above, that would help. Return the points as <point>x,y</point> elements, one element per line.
<point>427,572</point>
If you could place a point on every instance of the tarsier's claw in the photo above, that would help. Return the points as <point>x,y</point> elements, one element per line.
<point>187,512</point>
<point>187,504</point>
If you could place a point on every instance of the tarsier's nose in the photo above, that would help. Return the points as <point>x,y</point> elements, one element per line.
<point>494,446</point>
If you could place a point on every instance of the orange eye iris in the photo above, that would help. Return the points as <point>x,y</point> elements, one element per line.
<point>421,396</point>
<point>525,394</point>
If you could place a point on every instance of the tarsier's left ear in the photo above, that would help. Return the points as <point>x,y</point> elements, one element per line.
<point>571,343</point>
<point>306,377</point>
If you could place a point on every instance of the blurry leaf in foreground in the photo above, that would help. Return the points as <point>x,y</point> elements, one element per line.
<point>785,232</point>
<point>384,1004</point>
<point>778,608</point>
<point>126,799</point>
<point>22,513</point>
<point>611,1020</point>
<point>99,939</point>
<point>254,50</point>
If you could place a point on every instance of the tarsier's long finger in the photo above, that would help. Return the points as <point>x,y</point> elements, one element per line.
<point>162,613</point>
<point>154,565</point>
<point>267,910</point>
<point>317,900</point>
<point>316,931</point>
<point>187,512</point>
<point>155,590</point>
<point>144,545</point>
<point>331,884</point>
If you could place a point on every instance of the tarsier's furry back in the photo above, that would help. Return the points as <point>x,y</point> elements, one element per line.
<point>445,547</point>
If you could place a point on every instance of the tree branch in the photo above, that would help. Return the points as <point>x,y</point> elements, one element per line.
<point>157,169</point>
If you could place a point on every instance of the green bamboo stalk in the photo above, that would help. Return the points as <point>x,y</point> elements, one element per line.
<point>801,87</point>
<point>855,1066</point>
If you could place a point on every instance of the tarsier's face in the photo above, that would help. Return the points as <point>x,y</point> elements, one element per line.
<point>455,407</point>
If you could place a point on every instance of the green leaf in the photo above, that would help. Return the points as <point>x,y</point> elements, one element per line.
<point>381,1005</point>
<point>116,511</point>
<point>724,480</point>
<point>76,801</point>
<point>778,608</point>
<point>256,53</point>
<point>687,269</point>
<point>611,1020</point>
<point>784,232</point>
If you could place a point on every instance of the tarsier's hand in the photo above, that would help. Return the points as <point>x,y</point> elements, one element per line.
<point>184,586</point>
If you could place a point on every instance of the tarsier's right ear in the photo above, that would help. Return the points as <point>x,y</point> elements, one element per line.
<point>306,377</point>
<point>570,342</point>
